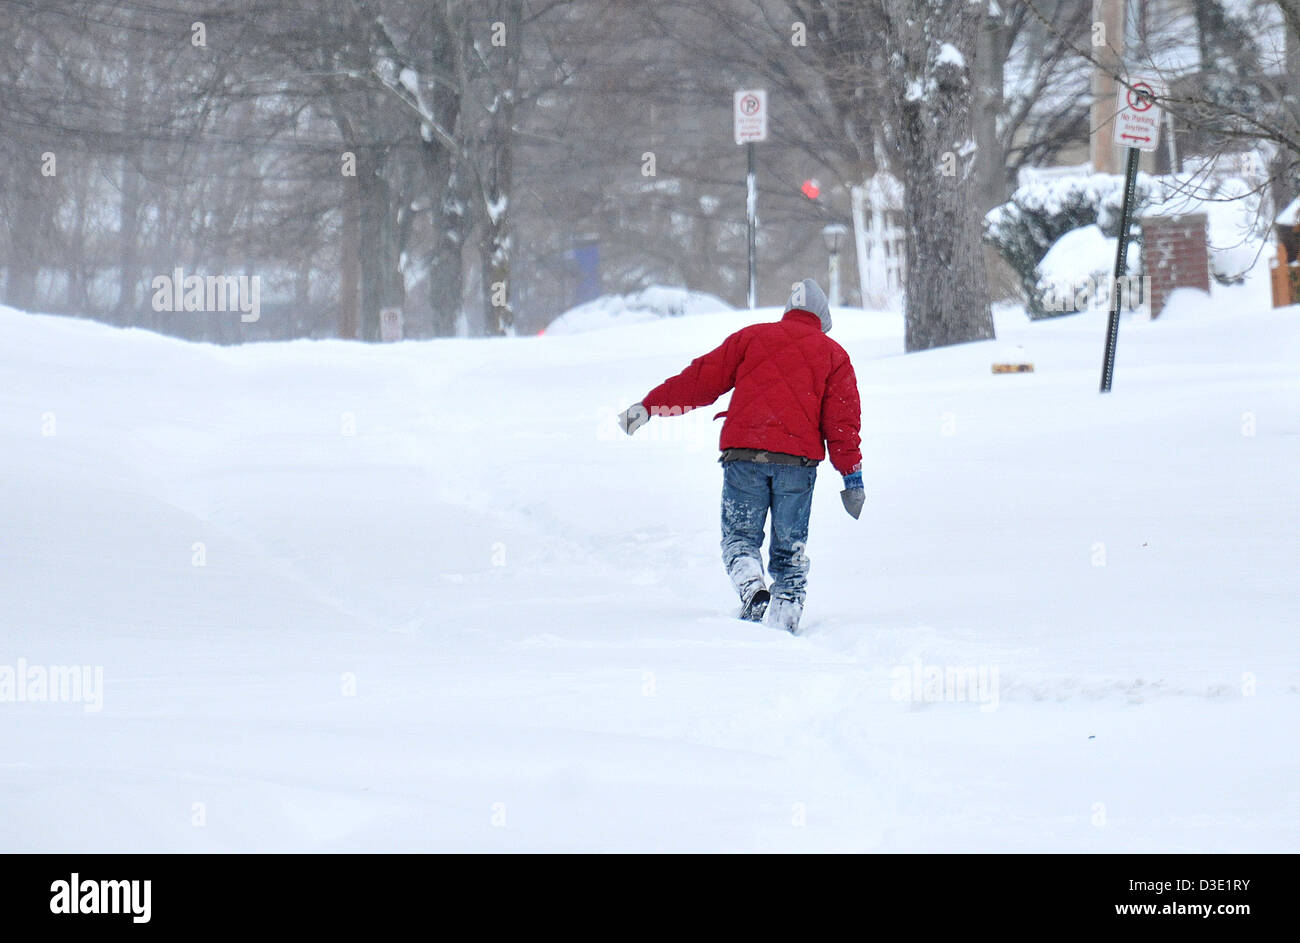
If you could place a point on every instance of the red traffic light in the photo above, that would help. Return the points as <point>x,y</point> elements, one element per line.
<point>811,189</point>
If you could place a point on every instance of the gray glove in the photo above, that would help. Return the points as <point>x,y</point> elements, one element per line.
<point>854,495</point>
<point>633,418</point>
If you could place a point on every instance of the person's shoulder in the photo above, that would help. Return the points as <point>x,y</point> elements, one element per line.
<point>838,353</point>
<point>750,331</point>
<point>761,327</point>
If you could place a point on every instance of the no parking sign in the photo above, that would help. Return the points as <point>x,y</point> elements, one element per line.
<point>1137,127</point>
<point>749,116</point>
<point>1137,113</point>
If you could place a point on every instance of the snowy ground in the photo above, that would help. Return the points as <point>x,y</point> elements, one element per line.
<point>447,605</point>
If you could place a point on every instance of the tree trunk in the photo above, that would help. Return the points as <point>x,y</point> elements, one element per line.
<point>128,245</point>
<point>931,45</point>
<point>446,277</point>
<point>28,237</point>
<point>381,277</point>
<point>988,70</point>
<point>496,175</point>
<point>445,168</point>
<point>127,308</point>
<point>1204,17</point>
<point>76,299</point>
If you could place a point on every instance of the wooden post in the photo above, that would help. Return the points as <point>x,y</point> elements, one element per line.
<point>1109,14</point>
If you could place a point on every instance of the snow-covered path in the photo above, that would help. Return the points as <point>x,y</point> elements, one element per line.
<point>447,605</point>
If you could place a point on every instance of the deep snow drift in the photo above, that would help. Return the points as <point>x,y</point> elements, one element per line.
<point>444,604</point>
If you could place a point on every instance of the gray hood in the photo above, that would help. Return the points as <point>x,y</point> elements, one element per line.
<point>807,295</point>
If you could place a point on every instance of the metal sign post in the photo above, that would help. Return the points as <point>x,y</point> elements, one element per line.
<point>750,126</point>
<point>1137,129</point>
<point>1121,264</point>
<point>751,226</point>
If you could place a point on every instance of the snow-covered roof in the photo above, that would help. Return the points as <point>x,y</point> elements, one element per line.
<point>1289,215</point>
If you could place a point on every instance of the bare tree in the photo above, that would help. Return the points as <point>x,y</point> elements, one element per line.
<point>1032,90</point>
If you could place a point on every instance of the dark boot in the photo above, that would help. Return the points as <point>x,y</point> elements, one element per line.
<point>756,606</point>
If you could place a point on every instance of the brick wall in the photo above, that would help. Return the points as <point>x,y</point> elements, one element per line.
<point>1175,255</point>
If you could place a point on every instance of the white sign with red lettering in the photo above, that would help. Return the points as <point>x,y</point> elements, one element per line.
<point>751,115</point>
<point>1137,113</point>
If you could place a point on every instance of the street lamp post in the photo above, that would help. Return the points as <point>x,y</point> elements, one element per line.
<point>833,235</point>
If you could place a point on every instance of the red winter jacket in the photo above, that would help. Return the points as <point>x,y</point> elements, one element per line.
<point>794,388</point>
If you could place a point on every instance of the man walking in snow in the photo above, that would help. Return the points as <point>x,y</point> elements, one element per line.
<point>794,389</point>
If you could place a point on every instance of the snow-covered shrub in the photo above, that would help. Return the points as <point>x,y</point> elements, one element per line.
<point>1236,227</point>
<point>648,304</point>
<point>1069,275</point>
<point>1039,213</point>
<point>1077,271</point>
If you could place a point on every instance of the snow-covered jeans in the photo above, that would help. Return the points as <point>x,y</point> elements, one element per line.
<point>749,491</point>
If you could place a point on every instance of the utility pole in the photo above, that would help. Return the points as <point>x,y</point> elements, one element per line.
<point>1108,49</point>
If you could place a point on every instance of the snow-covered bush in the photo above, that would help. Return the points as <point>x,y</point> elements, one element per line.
<point>1236,226</point>
<point>1074,269</point>
<point>648,304</point>
<point>1039,213</point>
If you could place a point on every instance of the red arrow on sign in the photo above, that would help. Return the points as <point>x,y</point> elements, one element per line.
<point>1134,137</point>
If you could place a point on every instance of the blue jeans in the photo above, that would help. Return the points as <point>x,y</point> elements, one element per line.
<point>750,490</point>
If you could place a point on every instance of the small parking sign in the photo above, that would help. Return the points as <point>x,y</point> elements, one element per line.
<point>751,115</point>
<point>1137,113</point>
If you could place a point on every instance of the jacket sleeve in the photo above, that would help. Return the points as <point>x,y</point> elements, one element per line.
<point>842,418</point>
<point>701,383</point>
